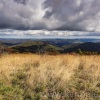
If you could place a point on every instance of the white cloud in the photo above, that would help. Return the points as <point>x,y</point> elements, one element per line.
<point>47,34</point>
<point>72,15</point>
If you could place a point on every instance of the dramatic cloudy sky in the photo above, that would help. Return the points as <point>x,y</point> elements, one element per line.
<point>60,18</point>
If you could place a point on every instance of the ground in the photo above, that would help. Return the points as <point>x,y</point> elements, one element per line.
<point>49,77</point>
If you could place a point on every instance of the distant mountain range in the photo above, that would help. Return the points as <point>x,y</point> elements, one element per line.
<point>49,45</point>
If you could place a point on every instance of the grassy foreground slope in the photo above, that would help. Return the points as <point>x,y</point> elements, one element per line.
<point>45,77</point>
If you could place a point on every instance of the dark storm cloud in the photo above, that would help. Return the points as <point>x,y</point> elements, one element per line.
<point>74,15</point>
<point>21,1</point>
<point>21,14</point>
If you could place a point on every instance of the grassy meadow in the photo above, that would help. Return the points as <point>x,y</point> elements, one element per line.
<point>49,77</point>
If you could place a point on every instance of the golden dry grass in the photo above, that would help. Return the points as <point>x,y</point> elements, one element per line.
<point>55,73</point>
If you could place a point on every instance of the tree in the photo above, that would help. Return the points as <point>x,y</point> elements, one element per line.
<point>79,51</point>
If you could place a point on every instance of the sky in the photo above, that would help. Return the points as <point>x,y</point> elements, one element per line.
<point>49,18</point>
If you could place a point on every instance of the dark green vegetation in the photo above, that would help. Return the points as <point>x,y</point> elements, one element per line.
<point>36,47</point>
<point>53,46</point>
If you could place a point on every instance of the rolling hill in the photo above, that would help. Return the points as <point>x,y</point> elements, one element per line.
<point>50,46</point>
<point>35,47</point>
<point>88,46</point>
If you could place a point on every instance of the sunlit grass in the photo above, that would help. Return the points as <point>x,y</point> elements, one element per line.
<point>33,75</point>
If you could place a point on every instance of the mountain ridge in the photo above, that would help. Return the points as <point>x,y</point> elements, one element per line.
<point>48,46</point>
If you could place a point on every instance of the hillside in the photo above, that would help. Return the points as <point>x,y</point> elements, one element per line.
<point>51,46</point>
<point>89,46</point>
<point>35,47</point>
<point>2,44</point>
<point>45,77</point>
